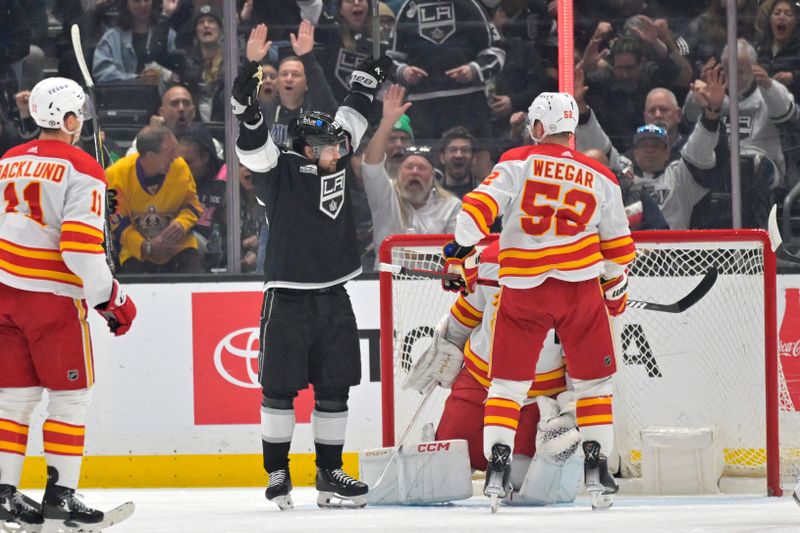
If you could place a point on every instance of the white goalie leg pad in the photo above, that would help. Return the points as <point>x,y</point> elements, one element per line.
<point>16,406</point>
<point>503,389</point>
<point>588,389</point>
<point>66,422</point>
<point>427,472</point>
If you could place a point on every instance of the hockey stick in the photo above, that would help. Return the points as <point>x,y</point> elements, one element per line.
<point>376,29</point>
<point>77,47</point>
<point>405,435</point>
<point>776,241</point>
<point>702,288</point>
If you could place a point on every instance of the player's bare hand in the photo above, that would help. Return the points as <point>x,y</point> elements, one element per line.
<point>784,77</point>
<point>412,75</point>
<point>762,78</point>
<point>22,98</point>
<point>257,43</point>
<point>168,7</point>
<point>393,105</point>
<point>303,42</point>
<point>173,232</point>
<point>501,105</point>
<point>462,74</point>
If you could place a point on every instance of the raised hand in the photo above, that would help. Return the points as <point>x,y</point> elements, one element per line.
<point>784,77</point>
<point>762,78</point>
<point>393,106</point>
<point>592,54</point>
<point>580,89</point>
<point>714,90</point>
<point>258,45</point>
<point>647,30</point>
<point>303,42</point>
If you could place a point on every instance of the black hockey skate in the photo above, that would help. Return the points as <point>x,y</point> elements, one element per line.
<point>280,488</point>
<point>497,483</point>
<point>600,485</point>
<point>17,509</point>
<point>339,490</point>
<point>796,494</point>
<point>62,508</point>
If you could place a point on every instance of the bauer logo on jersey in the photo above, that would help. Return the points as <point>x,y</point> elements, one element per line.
<point>308,169</point>
<point>436,21</point>
<point>346,64</point>
<point>331,197</point>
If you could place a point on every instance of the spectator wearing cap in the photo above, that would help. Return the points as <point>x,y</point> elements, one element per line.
<point>301,87</point>
<point>196,147</point>
<point>414,202</point>
<point>455,158</point>
<point>138,47</point>
<point>677,186</point>
<point>400,139</point>
<point>201,66</point>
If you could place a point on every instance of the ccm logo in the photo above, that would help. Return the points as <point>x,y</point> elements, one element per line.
<point>433,447</point>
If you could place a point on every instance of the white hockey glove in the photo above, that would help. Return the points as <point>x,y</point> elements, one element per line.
<point>439,365</point>
<point>557,434</point>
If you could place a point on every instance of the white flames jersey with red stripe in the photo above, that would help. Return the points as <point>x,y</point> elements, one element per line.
<point>472,316</point>
<point>52,208</point>
<point>563,217</point>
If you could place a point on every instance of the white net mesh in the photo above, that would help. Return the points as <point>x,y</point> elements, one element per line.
<point>703,367</point>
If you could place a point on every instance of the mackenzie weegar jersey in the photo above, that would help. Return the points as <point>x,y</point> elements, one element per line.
<point>52,208</point>
<point>438,35</point>
<point>312,236</point>
<point>562,212</point>
<point>471,318</point>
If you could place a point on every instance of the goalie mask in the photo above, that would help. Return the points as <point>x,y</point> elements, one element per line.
<point>52,99</point>
<point>558,113</point>
<point>319,131</point>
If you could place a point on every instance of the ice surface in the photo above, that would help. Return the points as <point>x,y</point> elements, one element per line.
<point>245,510</point>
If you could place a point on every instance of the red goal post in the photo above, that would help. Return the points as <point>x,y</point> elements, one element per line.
<point>713,365</point>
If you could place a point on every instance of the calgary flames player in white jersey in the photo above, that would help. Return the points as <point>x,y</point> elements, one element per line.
<point>458,359</point>
<point>52,270</point>
<point>563,251</point>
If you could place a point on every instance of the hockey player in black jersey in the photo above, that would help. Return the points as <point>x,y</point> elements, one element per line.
<point>308,329</point>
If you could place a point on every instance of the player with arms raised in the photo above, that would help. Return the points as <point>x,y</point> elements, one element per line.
<point>52,270</point>
<point>308,329</point>
<point>563,251</point>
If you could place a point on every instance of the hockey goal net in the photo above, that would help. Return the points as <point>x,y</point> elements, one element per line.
<point>714,365</point>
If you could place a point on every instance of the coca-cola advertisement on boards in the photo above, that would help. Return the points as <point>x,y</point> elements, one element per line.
<point>789,346</point>
<point>225,339</point>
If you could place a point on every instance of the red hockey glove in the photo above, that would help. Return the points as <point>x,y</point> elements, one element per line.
<point>616,293</point>
<point>461,260</point>
<point>119,311</point>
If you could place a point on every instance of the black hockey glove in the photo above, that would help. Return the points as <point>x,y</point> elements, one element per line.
<point>111,201</point>
<point>244,94</point>
<point>369,75</point>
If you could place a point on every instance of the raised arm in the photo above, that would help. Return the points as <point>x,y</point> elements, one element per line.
<point>393,109</point>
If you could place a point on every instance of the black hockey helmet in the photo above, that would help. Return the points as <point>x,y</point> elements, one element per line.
<point>317,129</point>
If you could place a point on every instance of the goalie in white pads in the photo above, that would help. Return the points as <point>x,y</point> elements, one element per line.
<point>546,468</point>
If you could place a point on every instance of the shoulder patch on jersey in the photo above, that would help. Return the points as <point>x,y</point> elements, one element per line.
<point>566,153</point>
<point>33,150</point>
<point>309,169</point>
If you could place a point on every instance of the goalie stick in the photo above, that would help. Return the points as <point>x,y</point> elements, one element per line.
<point>77,47</point>
<point>702,288</point>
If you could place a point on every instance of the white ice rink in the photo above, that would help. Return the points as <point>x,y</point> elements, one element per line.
<point>246,510</point>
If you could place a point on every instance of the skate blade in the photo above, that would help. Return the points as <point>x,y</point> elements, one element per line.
<point>796,497</point>
<point>602,502</point>
<point>111,517</point>
<point>284,503</point>
<point>331,500</point>
<point>495,502</point>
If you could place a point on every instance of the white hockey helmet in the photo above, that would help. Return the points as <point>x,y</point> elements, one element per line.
<point>558,113</point>
<point>52,98</point>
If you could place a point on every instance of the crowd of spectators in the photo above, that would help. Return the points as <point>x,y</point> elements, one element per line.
<point>650,80</point>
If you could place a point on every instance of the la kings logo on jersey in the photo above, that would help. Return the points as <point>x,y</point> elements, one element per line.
<point>436,21</point>
<point>345,65</point>
<point>745,125</point>
<point>331,197</point>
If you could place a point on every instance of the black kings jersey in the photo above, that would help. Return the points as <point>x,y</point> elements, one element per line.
<point>312,237</point>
